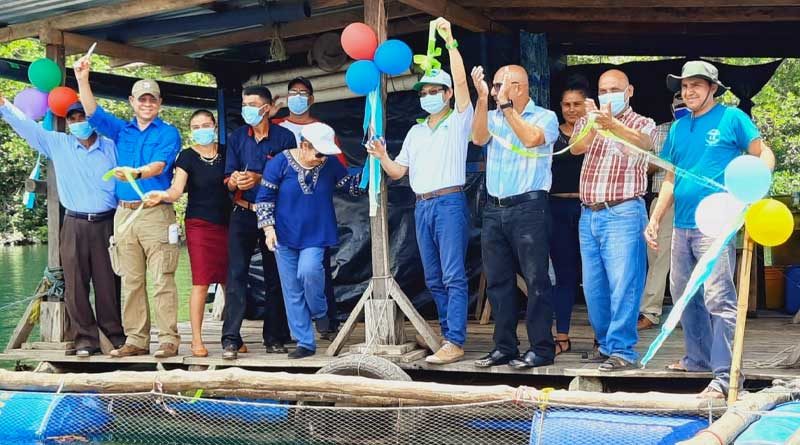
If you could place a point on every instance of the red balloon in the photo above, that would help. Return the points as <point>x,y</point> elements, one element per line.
<point>60,98</point>
<point>359,41</point>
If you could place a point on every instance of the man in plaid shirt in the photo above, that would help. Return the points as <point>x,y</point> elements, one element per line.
<point>613,251</point>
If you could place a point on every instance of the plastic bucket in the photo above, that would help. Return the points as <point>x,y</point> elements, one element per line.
<point>33,416</point>
<point>775,286</point>
<point>792,289</point>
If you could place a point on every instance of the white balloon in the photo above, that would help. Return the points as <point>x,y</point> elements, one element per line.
<point>715,212</point>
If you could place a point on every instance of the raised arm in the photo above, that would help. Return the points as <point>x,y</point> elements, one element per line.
<point>37,137</point>
<point>480,121</point>
<point>460,88</point>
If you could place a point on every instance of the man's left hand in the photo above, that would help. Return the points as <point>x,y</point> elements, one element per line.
<point>120,173</point>
<point>605,120</point>
<point>445,30</point>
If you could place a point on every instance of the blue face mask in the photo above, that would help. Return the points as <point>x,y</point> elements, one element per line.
<point>617,101</point>
<point>298,104</point>
<point>81,130</point>
<point>432,103</point>
<point>204,136</point>
<point>252,115</point>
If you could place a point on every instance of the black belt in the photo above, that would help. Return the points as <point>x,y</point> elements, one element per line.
<point>91,217</point>
<point>517,199</point>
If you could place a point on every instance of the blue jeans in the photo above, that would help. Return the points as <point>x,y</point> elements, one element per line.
<point>566,257</point>
<point>442,226</point>
<point>303,282</point>
<point>709,319</point>
<point>614,259</point>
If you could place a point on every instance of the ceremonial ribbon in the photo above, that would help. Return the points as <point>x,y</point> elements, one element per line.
<point>373,129</point>
<point>428,62</point>
<point>29,198</point>
<point>132,181</point>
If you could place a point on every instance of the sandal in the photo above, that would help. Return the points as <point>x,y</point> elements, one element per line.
<point>711,392</point>
<point>560,349</point>
<point>199,351</point>
<point>676,367</point>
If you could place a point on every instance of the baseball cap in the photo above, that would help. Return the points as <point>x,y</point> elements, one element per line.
<point>75,107</point>
<point>321,137</point>
<point>438,77</point>
<point>303,81</point>
<point>145,86</point>
<point>696,68</point>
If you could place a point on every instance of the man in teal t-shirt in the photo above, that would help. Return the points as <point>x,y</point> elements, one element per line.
<point>703,143</point>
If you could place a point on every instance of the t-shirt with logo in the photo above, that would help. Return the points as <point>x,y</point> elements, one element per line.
<point>704,146</point>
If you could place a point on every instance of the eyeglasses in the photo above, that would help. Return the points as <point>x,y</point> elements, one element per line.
<point>496,86</point>
<point>301,93</point>
<point>319,155</point>
<point>432,91</point>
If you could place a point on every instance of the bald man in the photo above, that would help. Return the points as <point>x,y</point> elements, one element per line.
<point>516,220</point>
<point>613,251</point>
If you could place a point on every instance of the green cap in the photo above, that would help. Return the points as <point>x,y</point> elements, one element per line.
<point>696,68</point>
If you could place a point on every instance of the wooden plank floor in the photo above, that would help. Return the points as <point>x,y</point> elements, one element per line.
<point>768,338</point>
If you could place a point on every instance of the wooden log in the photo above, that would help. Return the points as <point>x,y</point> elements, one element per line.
<point>349,324</point>
<point>743,296</point>
<point>305,396</point>
<point>53,322</point>
<point>25,324</point>
<point>55,52</point>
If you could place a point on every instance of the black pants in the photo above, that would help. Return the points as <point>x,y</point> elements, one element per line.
<point>84,255</point>
<point>517,238</point>
<point>244,237</point>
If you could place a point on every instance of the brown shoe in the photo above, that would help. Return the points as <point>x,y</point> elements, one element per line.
<point>199,351</point>
<point>644,323</point>
<point>243,349</point>
<point>166,350</point>
<point>128,350</point>
<point>448,353</point>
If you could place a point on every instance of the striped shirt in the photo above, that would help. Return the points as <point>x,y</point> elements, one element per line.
<point>658,143</point>
<point>609,172</point>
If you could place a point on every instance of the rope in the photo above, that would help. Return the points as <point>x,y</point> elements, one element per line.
<point>277,51</point>
<point>55,281</point>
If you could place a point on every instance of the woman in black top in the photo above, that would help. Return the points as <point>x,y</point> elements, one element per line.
<point>565,208</point>
<point>199,170</point>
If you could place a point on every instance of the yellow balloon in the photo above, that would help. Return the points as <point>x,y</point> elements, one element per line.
<point>769,222</point>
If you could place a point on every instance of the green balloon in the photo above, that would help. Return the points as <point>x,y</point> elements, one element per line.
<point>44,74</point>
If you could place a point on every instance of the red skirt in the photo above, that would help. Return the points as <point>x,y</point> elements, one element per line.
<point>208,251</point>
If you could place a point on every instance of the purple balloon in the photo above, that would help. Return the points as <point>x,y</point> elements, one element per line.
<point>32,102</point>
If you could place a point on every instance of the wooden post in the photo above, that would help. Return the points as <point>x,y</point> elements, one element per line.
<point>743,296</point>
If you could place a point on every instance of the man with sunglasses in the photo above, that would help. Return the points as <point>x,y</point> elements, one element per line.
<point>658,260</point>
<point>434,154</point>
<point>516,220</point>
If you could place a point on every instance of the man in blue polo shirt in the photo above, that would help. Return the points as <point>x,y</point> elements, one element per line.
<point>146,149</point>
<point>249,149</point>
<point>81,158</point>
<point>704,142</point>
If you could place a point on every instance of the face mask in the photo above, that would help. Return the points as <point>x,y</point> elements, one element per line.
<point>680,112</point>
<point>252,115</point>
<point>617,101</point>
<point>81,130</point>
<point>204,136</point>
<point>432,103</point>
<point>298,104</point>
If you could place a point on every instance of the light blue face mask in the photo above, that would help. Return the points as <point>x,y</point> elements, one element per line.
<point>298,104</point>
<point>252,115</point>
<point>432,103</point>
<point>81,130</point>
<point>204,136</point>
<point>617,101</point>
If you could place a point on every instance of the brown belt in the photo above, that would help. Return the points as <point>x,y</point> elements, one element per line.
<point>245,204</point>
<point>440,192</point>
<point>607,204</point>
<point>131,205</point>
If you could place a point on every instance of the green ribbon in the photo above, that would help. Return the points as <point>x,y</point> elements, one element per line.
<point>428,62</point>
<point>132,181</point>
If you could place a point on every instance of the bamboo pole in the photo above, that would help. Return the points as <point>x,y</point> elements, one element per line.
<point>743,296</point>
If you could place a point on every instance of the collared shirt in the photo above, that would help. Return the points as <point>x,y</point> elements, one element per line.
<point>658,144</point>
<point>79,170</point>
<point>245,153</point>
<point>158,142</point>
<point>437,157</point>
<point>509,174</point>
<point>610,172</point>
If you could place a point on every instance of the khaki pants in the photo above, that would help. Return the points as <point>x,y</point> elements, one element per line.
<point>658,267</point>
<point>145,247</point>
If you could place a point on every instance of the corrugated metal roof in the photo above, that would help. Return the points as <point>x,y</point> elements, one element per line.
<point>21,11</point>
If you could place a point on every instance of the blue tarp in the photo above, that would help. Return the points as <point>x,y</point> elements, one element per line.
<point>773,428</point>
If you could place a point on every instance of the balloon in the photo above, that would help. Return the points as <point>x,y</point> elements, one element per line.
<point>32,102</point>
<point>44,74</point>
<point>748,178</point>
<point>393,57</point>
<point>769,222</point>
<point>60,99</point>
<point>359,41</point>
<point>715,212</point>
<point>362,77</point>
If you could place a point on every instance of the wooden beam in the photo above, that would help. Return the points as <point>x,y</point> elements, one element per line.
<point>662,15</point>
<point>397,28</point>
<point>458,15</point>
<point>591,28</point>
<point>579,4</point>
<point>100,15</point>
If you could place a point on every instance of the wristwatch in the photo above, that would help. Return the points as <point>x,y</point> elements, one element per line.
<point>138,174</point>
<point>508,104</point>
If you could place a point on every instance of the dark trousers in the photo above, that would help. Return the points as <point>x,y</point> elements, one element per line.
<point>329,323</point>
<point>244,237</point>
<point>566,256</point>
<point>84,255</point>
<point>517,238</point>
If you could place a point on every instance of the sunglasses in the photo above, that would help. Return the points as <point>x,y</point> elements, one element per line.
<point>432,91</point>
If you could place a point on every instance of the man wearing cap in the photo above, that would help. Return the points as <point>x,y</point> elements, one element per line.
<point>295,210</point>
<point>704,142</point>
<point>658,260</point>
<point>81,158</point>
<point>146,150</point>
<point>434,154</point>
<point>516,220</point>
<point>250,148</point>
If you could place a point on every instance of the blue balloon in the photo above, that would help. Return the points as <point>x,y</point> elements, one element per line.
<point>362,77</point>
<point>748,178</point>
<point>393,57</point>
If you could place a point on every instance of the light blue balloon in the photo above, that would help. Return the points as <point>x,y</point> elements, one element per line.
<point>748,178</point>
<point>393,57</point>
<point>362,77</point>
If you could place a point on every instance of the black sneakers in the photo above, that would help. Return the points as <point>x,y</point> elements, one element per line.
<point>301,352</point>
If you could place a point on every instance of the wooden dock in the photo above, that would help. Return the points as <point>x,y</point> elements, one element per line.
<point>769,339</point>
